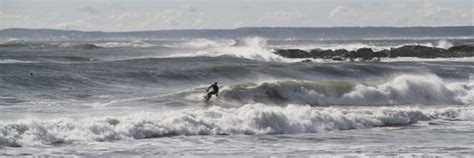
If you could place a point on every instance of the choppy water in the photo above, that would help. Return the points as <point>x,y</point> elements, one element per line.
<point>93,98</point>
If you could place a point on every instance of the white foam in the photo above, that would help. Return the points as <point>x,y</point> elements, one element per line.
<point>405,59</point>
<point>247,119</point>
<point>251,48</point>
<point>254,48</point>
<point>133,44</point>
<point>12,61</point>
<point>13,41</point>
<point>464,91</point>
<point>405,89</point>
<point>444,44</point>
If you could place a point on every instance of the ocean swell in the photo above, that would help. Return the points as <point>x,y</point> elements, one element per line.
<point>401,90</point>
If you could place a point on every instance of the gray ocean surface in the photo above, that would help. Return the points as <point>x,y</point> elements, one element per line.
<point>145,98</point>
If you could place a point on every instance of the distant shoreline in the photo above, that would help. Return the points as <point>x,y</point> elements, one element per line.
<point>241,28</point>
<point>333,33</point>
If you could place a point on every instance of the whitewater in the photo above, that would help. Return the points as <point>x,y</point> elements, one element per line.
<point>145,98</point>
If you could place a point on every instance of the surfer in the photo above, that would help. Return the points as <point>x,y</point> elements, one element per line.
<point>215,90</point>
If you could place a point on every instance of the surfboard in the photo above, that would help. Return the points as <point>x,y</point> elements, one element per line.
<point>206,99</point>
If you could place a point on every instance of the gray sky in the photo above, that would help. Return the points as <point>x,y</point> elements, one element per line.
<point>132,15</point>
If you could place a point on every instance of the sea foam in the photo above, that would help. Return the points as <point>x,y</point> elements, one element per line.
<point>249,119</point>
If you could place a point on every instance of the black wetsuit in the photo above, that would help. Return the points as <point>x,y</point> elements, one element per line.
<point>215,90</point>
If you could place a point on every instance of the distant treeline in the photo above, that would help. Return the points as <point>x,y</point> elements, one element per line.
<point>267,32</point>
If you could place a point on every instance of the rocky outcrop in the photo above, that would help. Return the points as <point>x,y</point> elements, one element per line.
<point>418,51</point>
<point>367,54</point>
<point>461,51</point>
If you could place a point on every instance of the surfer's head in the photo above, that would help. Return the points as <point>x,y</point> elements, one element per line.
<point>215,83</point>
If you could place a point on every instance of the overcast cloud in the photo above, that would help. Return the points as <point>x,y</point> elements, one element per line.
<point>132,15</point>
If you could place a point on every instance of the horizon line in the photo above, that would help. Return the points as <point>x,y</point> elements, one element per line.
<point>208,29</point>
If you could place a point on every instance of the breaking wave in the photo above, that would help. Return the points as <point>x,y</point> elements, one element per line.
<point>249,119</point>
<point>402,90</point>
<point>254,48</point>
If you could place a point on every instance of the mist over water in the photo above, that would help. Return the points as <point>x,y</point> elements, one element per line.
<point>59,95</point>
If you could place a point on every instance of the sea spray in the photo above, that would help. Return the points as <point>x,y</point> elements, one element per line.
<point>254,48</point>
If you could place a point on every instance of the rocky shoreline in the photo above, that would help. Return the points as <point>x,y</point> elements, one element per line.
<point>367,54</point>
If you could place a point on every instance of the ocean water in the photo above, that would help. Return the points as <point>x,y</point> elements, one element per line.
<point>145,98</point>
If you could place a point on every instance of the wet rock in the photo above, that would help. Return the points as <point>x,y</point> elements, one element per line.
<point>367,54</point>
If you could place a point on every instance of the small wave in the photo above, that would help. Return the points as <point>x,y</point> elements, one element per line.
<point>12,61</point>
<point>85,46</point>
<point>201,43</point>
<point>15,43</point>
<point>206,43</point>
<point>26,44</point>
<point>249,119</point>
<point>132,44</point>
<point>77,44</point>
<point>44,81</point>
<point>402,90</point>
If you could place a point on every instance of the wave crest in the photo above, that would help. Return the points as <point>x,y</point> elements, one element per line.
<point>254,48</point>
<point>402,90</point>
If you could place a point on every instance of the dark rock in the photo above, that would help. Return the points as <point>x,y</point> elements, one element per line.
<point>292,53</point>
<point>418,51</point>
<point>461,48</point>
<point>461,51</point>
<point>306,61</point>
<point>337,58</point>
<point>324,54</point>
<point>341,52</point>
<point>363,53</point>
<point>367,54</point>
